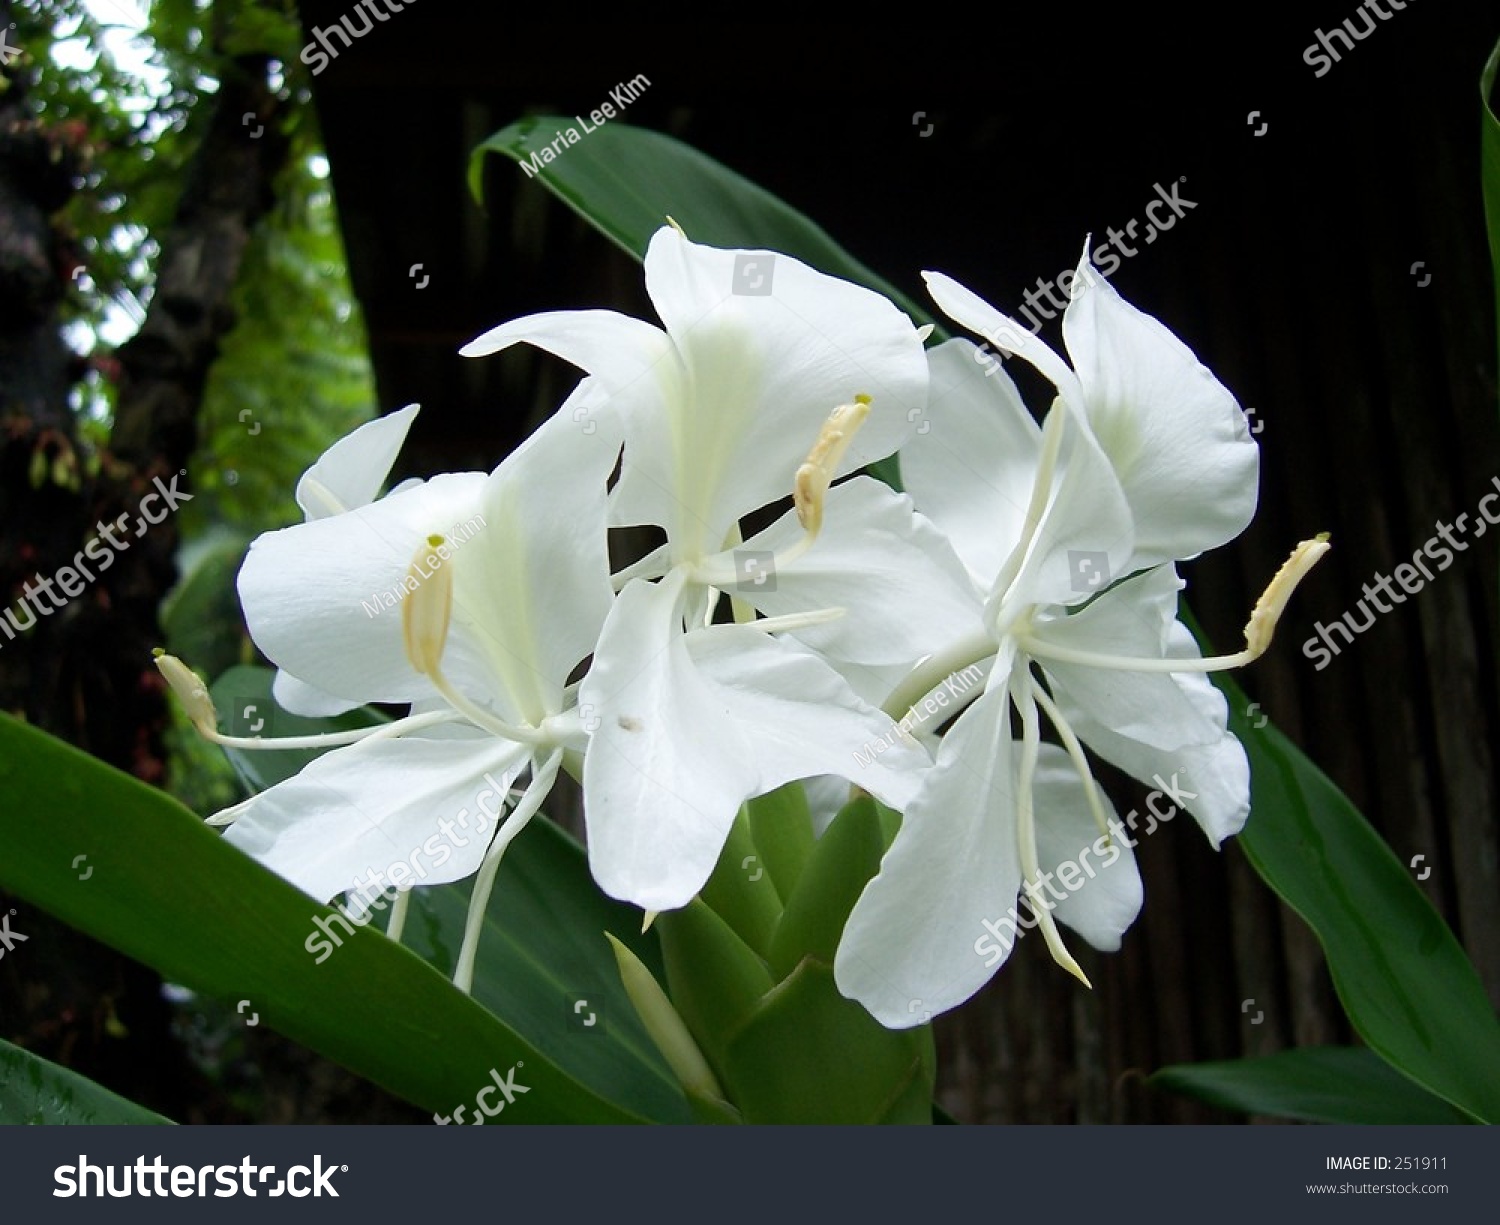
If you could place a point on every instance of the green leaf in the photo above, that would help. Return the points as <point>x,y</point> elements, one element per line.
<point>35,1090</point>
<point>1328,1084</point>
<point>809,1055</point>
<point>1408,988</point>
<point>714,979</point>
<point>167,891</point>
<point>546,970</point>
<point>627,181</point>
<point>781,827</point>
<point>543,948</point>
<point>1489,157</point>
<point>741,890</point>
<point>843,862</point>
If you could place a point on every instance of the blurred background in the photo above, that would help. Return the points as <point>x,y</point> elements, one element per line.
<point>213,259</point>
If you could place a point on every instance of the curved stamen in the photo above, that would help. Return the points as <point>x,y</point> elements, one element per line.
<point>484,880</point>
<point>1074,749</point>
<point>193,694</point>
<point>1031,868</point>
<point>398,914</point>
<point>1258,630</point>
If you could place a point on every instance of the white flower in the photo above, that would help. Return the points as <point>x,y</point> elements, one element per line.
<point>741,399</point>
<point>502,584</point>
<point>1141,461</point>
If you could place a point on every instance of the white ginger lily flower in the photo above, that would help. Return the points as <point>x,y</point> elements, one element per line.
<point>1142,460</point>
<point>741,398</point>
<point>503,584</point>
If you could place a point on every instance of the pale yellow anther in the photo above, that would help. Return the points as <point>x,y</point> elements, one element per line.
<point>190,690</point>
<point>426,611</point>
<point>816,474</point>
<point>1273,601</point>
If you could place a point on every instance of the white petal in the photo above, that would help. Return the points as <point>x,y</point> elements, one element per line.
<point>667,767</point>
<point>618,350</point>
<point>903,591</point>
<point>757,375</point>
<point>1135,621</point>
<point>969,310</point>
<point>372,805</point>
<point>1212,781</point>
<point>1086,536</point>
<point>801,719</point>
<point>1099,885</point>
<point>303,699</point>
<point>1173,432</point>
<point>351,472</point>
<point>916,943</point>
<point>971,463</point>
<point>532,589</point>
<point>322,599</point>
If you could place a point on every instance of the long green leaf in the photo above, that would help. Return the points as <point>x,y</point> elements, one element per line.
<point>1329,1084</point>
<point>1406,984</point>
<point>544,966</point>
<point>35,1090</point>
<point>164,889</point>
<point>627,181</point>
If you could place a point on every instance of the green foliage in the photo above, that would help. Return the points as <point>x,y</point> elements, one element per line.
<point>1328,1084</point>
<point>169,892</point>
<point>35,1091</point>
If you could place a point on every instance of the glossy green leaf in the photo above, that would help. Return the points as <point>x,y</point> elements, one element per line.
<point>1409,990</point>
<point>34,1090</point>
<point>714,979</point>
<point>1329,1084</point>
<point>546,970</point>
<point>782,830</point>
<point>809,1055</point>
<point>741,891</point>
<point>843,862</point>
<point>543,949</point>
<point>627,181</point>
<point>165,889</point>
